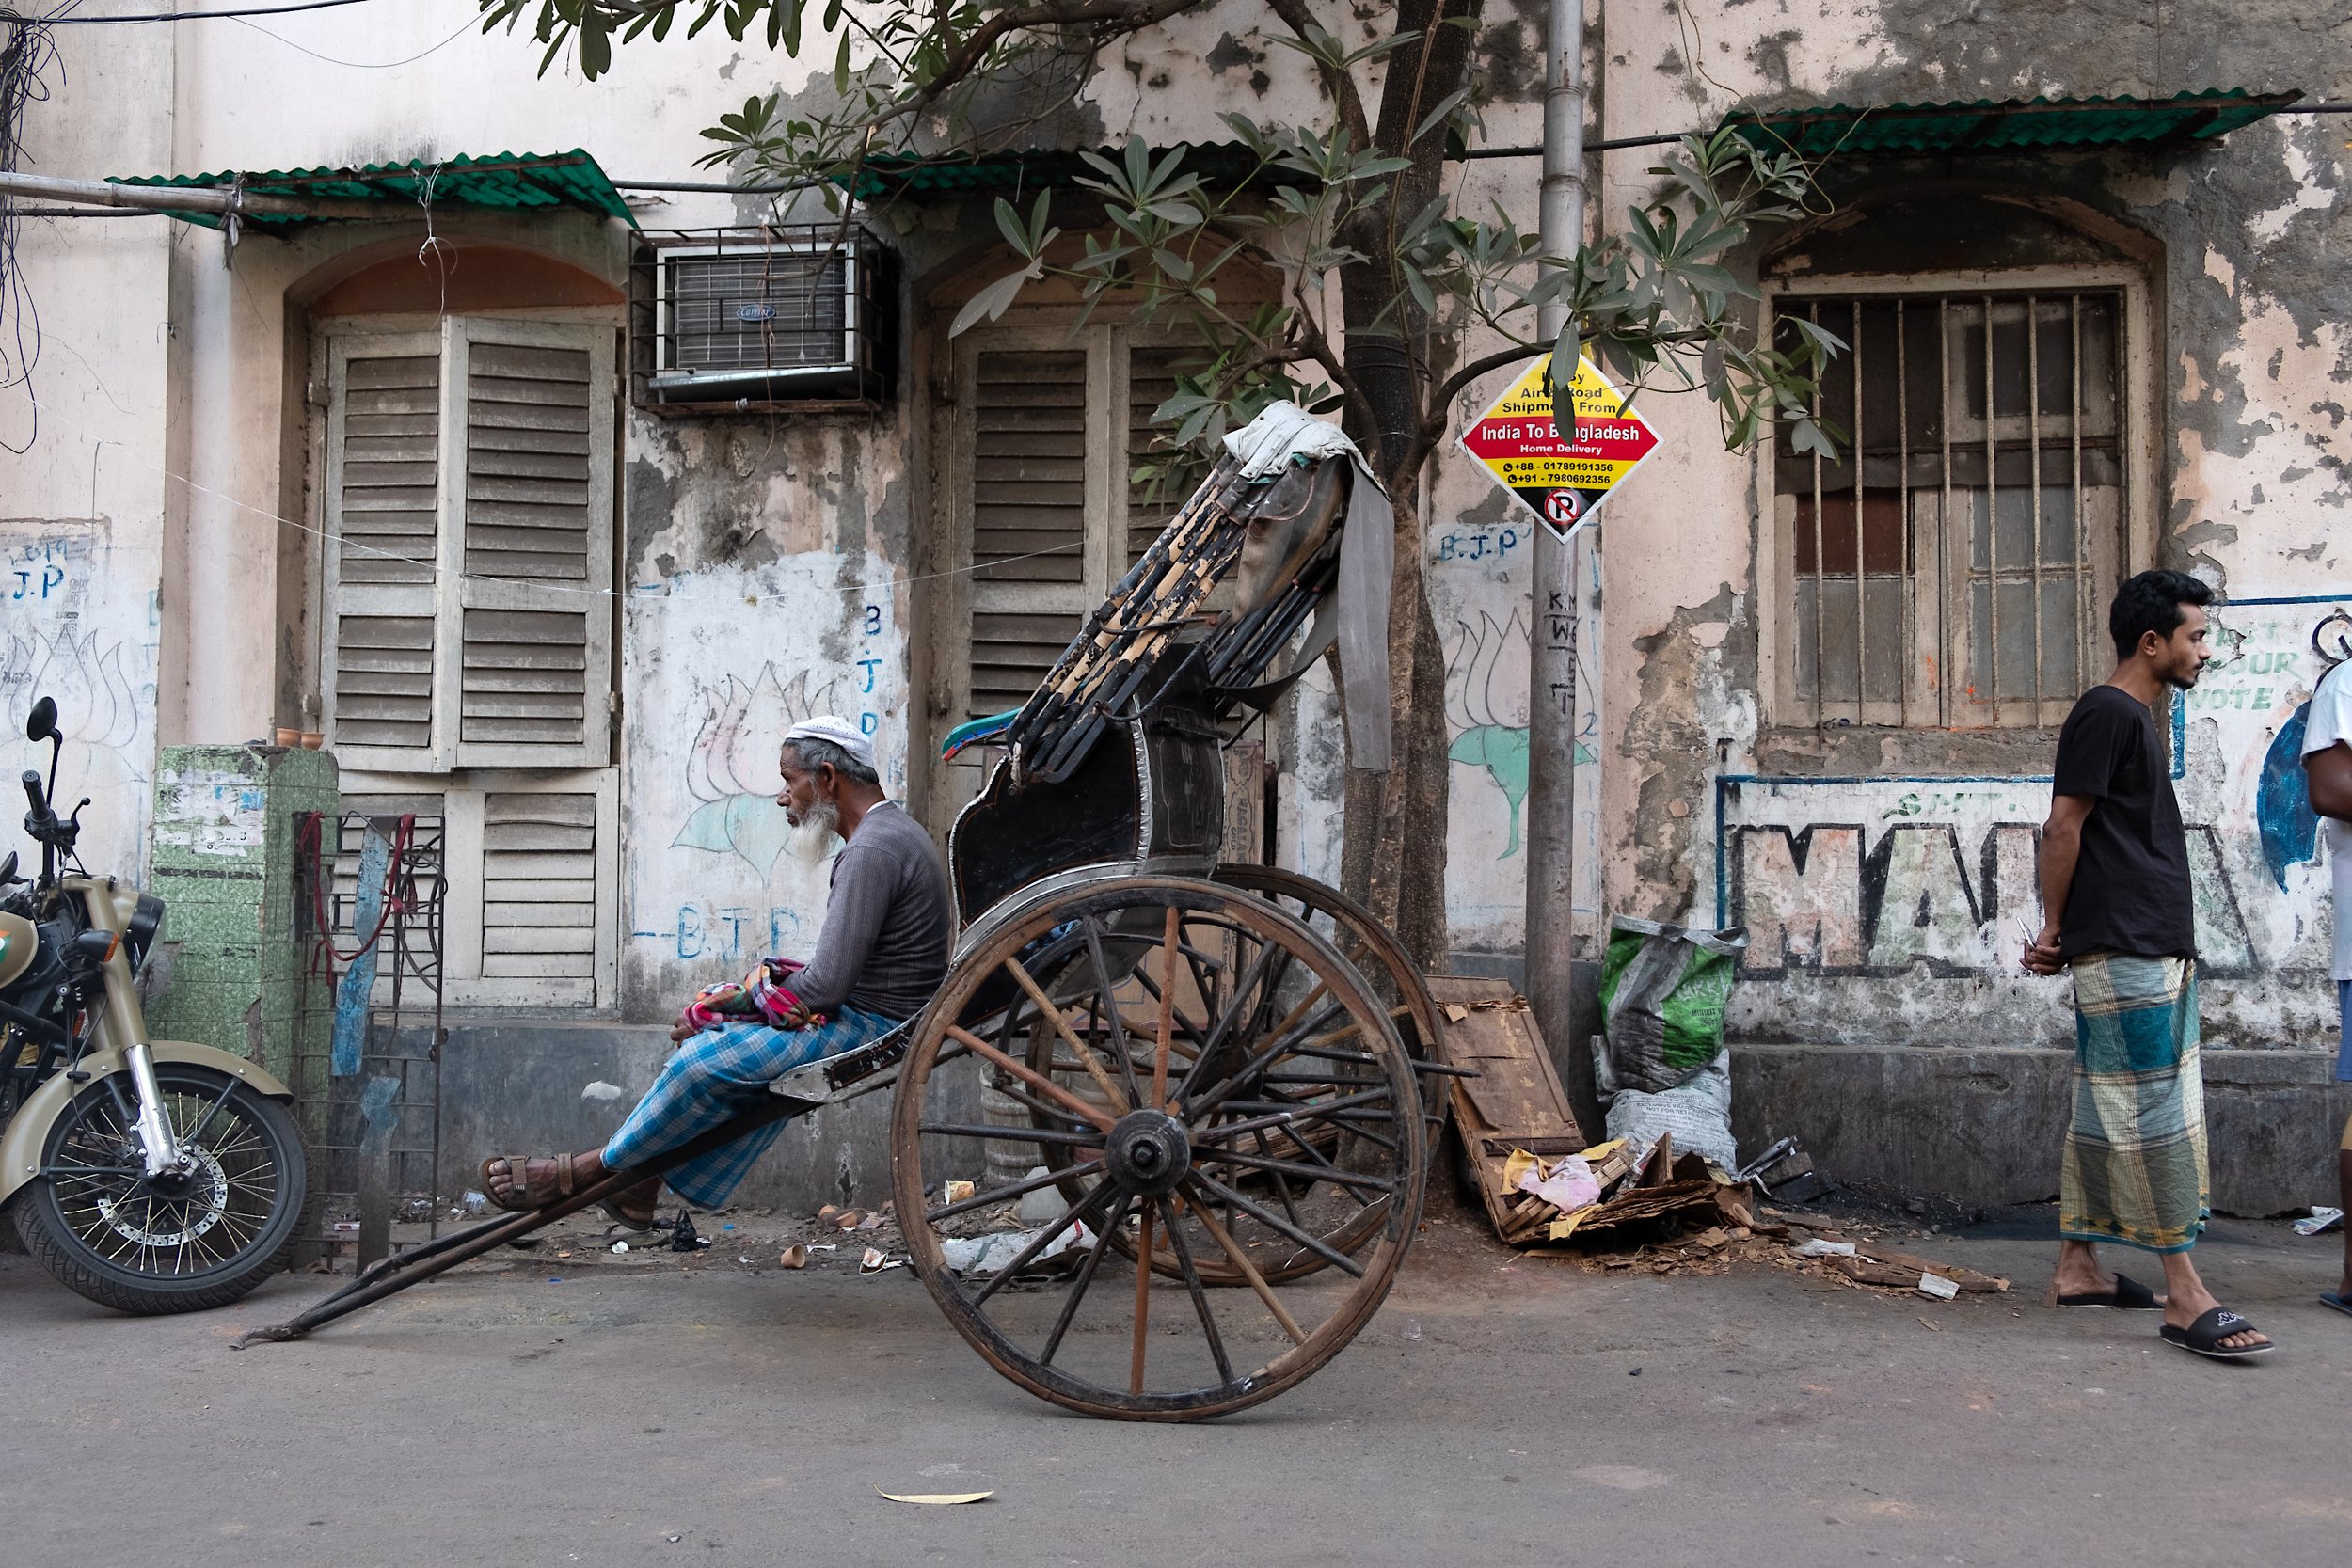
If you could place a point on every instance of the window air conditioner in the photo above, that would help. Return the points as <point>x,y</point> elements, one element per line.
<point>752,319</point>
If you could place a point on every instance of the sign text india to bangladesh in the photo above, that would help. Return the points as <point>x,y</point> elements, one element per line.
<point>1520,443</point>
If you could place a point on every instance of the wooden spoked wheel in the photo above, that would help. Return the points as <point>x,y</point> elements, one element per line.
<point>1210,1086</point>
<point>1363,942</point>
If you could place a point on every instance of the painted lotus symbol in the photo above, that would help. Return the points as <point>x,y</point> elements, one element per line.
<point>732,771</point>
<point>1486,701</point>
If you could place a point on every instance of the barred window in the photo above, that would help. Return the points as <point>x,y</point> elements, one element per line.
<point>1952,567</point>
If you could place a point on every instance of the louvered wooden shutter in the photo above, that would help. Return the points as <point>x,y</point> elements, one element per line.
<point>527,876</point>
<point>1151,381</point>
<point>539,886</point>
<point>531,639</point>
<point>1029,500</point>
<point>384,522</point>
<point>469,566</point>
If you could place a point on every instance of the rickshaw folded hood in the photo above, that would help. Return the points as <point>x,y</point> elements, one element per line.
<point>1285,434</point>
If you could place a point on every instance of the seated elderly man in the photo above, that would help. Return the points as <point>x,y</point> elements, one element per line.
<point>882,953</point>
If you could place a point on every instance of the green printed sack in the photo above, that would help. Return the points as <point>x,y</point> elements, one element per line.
<point>1662,991</point>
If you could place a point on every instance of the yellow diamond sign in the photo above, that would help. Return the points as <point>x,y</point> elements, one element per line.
<point>1561,482</point>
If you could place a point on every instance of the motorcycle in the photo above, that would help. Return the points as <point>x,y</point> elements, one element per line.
<point>151,1176</point>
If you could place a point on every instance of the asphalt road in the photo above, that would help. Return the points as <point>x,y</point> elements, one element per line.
<point>1501,1409</point>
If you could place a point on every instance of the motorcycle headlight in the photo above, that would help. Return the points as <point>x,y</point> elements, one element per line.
<point>145,930</point>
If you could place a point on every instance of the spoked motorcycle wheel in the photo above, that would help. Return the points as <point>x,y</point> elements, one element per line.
<point>177,1243</point>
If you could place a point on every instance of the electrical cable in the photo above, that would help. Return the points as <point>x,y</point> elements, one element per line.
<point>186,16</point>
<point>27,56</point>
<point>464,28</point>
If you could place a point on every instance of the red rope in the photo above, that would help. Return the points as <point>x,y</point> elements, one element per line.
<point>393,903</point>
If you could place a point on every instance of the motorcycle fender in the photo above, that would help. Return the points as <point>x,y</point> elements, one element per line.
<point>19,1145</point>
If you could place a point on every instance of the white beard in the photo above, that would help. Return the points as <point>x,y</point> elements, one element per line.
<point>817,834</point>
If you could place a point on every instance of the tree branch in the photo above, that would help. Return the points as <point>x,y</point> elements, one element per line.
<point>1453,385</point>
<point>1339,84</point>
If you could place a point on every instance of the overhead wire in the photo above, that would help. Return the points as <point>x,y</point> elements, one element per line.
<point>188,16</point>
<point>27,58</point>
<point>463,28</point>
<point>356,548</point>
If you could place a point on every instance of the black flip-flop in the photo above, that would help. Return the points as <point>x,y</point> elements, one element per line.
<point>2129,1294</point>
<point>2341,1301</point>
<point>2204,1336</point>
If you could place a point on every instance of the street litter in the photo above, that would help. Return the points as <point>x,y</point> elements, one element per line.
<point>476,1203</point>
<point>944,1499</point>
<point>1566,1184</point>
<point>1819,1248</point>
<point>871,1222</point>
<point>994,1254</point>
<point>601,1090</point>
<point>793,1257</point>
<point>1659,1068</point>
<point>1043,1205</point>
<point>620,1246</point>
<point>876,1262</point>
<point>2322,1219</point>
<point>958,1191</point>
<point>1937,1286</point>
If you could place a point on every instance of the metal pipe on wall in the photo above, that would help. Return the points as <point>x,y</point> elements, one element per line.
<point>189,199</point>
<point>1551,631</point>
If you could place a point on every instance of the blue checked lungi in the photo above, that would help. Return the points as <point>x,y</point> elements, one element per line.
<point>720,1074</point>
<point>2133,1167</point>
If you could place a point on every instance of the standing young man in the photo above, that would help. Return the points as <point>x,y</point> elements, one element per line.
<point>2118,913</point>
<point>2327,768</point>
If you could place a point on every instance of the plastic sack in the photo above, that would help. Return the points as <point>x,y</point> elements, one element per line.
<point>1697,1116</point>
<point>1662,991</point>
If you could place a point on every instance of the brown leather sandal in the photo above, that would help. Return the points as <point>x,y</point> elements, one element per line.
<point>525,1189</point>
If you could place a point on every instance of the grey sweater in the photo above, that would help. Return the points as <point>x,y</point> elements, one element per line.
<point>884,944</point>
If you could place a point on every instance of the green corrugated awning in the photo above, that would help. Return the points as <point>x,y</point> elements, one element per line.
<point>2011,126</point>
<point>953,175</point>
<point>514,181</point>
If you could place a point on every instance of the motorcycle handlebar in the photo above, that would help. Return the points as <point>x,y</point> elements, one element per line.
<point>33,796</point>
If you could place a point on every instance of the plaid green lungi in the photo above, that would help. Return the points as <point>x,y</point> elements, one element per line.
<point>716,1076</point>
<point>2134,1168</point>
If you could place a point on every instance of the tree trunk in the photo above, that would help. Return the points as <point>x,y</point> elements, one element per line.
<point>1394,837</point>
<point>1392,845</point>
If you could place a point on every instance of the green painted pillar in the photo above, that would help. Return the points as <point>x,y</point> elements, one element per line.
<point>227,826</point>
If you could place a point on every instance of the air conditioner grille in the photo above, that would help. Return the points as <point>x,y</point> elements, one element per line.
<point>773,310</point>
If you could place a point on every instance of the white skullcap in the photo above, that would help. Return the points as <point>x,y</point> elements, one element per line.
<point>839,731</point>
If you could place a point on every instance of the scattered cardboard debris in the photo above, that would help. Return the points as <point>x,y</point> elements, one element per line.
<point>1515,1104</point>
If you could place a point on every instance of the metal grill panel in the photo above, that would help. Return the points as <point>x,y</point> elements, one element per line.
<point>1947,568</point>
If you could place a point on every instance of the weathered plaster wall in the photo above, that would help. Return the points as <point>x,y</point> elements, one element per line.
<point>82,497</point>
<point>765,562</point>
<point>1885,901</point>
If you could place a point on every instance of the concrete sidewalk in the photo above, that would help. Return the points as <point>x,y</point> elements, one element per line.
<point>1501,1409</point>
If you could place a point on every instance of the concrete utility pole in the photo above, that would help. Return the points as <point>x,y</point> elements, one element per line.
<point>1551,632</point>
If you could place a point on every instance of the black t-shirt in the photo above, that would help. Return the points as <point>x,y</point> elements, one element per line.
<point>2131,891</point>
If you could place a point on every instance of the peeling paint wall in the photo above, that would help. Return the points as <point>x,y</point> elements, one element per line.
<point>773,565</point>
<point>1883,870</point>
<point>764,563</point>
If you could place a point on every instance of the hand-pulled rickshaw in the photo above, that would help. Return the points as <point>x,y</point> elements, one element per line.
<point>1216,1069</point>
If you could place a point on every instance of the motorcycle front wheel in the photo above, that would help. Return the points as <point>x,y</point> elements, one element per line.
<point>176,1243</point>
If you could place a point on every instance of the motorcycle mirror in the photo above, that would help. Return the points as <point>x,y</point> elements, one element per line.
<point>8,870</point>
<point>42,721</point>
